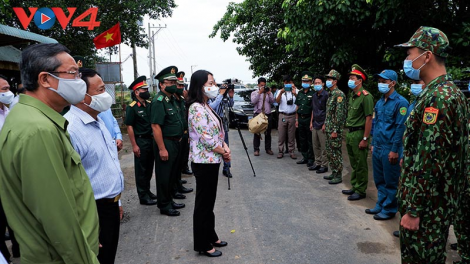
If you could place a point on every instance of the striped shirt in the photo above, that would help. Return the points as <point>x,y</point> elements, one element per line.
<point>92,141</point>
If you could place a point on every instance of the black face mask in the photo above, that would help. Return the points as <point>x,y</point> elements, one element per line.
<point>144,95</point>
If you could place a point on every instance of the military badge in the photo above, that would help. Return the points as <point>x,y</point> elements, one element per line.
<point>340,99</point>
<point>430,115</point>
<point>173,70</point>
<point>167,99</point>
<point>160,98</point>
<point>79,63</point>
<point>403,111</point>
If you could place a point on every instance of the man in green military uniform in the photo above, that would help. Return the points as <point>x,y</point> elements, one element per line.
<point>183,153</point>
<point>140,135</point>
<point>302,119</point>
<point>333,127</point>
<point>359,124</point>
<point>168,129</point>
<point>433,177</point>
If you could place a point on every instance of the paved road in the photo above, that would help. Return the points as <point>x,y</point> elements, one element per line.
<point>285,214</point>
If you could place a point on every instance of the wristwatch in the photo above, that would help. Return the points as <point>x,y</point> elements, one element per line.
<point>364,138</point>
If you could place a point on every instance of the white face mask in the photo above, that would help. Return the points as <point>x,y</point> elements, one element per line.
<point>6,98</point>
<point>211,91</point>
<point>72,90</point>
<point>100,102</point>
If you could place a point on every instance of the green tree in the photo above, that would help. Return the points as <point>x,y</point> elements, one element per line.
<point>80,40</point>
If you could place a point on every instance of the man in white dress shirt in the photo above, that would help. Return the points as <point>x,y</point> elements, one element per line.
<point>97,149</point>
<point>286,127</point>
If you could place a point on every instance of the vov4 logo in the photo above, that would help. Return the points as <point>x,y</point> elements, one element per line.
<point>45,17</point>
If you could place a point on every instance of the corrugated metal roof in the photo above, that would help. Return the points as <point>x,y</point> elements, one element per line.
<point>10,54</point>
<point>11,35</point>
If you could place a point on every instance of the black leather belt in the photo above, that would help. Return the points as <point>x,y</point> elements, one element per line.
<point>305,116</point>
<point>178,139</point>
<point>144,136</point>
<point>288,114</point>
<point>108,200</point>
<point>352,129</point>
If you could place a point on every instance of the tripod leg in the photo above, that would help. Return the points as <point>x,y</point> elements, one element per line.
<point>228,179</point>
<point>246,149</point>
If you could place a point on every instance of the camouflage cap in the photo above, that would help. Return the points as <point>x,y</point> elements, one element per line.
<point>430,39</point>
<point>333,74</point>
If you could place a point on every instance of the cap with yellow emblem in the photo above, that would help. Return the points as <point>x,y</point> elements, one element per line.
<point>306,76</point>
<point>358,71</point>
<point>140,82</point>
<point>169,73</point>
<point>180,77</point>
<point>80,60</point>
<point>429,39</point>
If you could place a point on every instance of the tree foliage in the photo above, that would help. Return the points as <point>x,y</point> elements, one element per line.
<point>80,40</point>
<point>322,34</point>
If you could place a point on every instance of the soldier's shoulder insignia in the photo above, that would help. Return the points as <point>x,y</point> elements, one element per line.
<point>339,99</point>
<point>430,115</point>
<point>403,111</point>
<point>365,92</point>
<point>132,104</point>
<point>160,98</point>
<point>167,99</point>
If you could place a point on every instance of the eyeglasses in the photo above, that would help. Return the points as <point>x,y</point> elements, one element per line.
<point>76,74</point>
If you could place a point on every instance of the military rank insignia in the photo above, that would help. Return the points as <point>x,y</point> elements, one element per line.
<point>160,98</point>
<point>167,99</point>
<point>340,99</point>
<point>430,115</point>
<point>403,111</point>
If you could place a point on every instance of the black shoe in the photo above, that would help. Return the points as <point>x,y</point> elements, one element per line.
<point>381,216</point>
<point>348,192</point>
<point>314,168</point>
<point>216,253</point>
<point>187,171</point>
<point>309,164</point>
<point>177,205</point>
<point>356,196</point>
<point>302,161</point>
<point>179,196</point>
<point>152,196</point>
<point>373,211</point>
<point>322,170</point>
<point>221,244</point>
<point>227,173</point>
<point>184,181</point>
<point>185,190</point>
<point>453,246</point>
<point>397,234</point>
<point>170,212</point>
<point>148,202</point>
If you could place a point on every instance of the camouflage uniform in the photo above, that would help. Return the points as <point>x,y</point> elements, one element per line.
<point>435,143</point>
<point>334,122</point>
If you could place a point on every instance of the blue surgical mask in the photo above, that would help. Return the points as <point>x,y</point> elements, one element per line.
<point>352,84</point>
<point>384,88</point>
<point>318,87</point>
<point>305,85</point>
<point>416,89</point>
<point>329,84</point>
<point>288,87</point>
<point>411,72</point>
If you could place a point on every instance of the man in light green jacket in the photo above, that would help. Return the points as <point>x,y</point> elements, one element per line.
<point>46,194</point>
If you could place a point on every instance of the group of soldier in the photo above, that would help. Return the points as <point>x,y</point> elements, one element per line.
<point>158,132</point>
<point>420,151</point>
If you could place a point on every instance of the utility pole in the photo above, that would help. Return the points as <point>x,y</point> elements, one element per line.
<point>152,50</point>
<point>134,60</point>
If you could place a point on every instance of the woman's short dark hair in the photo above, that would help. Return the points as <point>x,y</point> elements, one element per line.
<point>262,79</point>
<point>39,58</point>
<point>195,92</point>
<point>87,74</point>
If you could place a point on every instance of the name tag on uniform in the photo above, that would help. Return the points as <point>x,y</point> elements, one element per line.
<point>140,112</point>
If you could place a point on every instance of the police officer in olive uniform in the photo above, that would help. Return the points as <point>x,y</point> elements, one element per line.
<point>140,135</point>
<point>302,119</point>
<point>183,156</point>
<point>359,124</point>
<point>168,130</point>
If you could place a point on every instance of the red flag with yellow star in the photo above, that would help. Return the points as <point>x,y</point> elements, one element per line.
<point>108,38</point>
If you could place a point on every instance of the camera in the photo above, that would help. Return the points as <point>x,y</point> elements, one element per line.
<point>267,89</point>
<point>290,102</point>
<point>229,84</point>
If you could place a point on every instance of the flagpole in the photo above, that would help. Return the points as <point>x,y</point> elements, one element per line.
<point>122,89</point>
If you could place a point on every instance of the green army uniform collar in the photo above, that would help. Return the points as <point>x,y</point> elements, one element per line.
<point>359,92</point>
<point>50,113</point>
<point>433,84</point>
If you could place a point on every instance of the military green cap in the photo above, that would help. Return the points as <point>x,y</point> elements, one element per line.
<point>180,77</point>
<point>169,73</point>
<point>358,71</point>
<point>333,74</point>
<point>80,60</point>
<point>140,82</point>
<point>430,39</point>
<point>306,76</point>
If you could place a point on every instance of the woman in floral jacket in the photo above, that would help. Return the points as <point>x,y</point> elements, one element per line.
<point>207,151</point>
